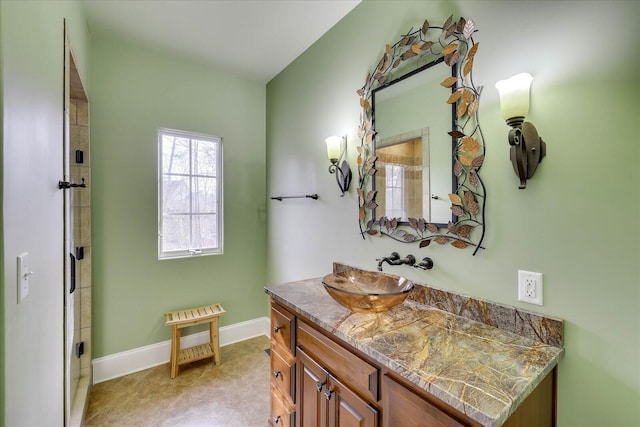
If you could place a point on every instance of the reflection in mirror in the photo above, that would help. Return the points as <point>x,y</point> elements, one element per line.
<point>412,121</point>
<point>419,164</point>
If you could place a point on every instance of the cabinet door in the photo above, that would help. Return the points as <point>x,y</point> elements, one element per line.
<point>346,409</point>
<point>312,404</point>
<point>404,408</point>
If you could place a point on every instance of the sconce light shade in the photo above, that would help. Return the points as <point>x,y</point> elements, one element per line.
<point>514,96</point>
<point>334,145</point>
<point>527,148</point>
<point>336,150</point>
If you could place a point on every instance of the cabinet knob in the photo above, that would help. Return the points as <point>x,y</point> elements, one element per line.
<point>319,386</point>
<point>276,373</point>
<point>276,419</point>
<point>327,394</point>
<point>276,329</point>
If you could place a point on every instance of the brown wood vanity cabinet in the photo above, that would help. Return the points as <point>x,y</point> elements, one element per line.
<point>318,382</point>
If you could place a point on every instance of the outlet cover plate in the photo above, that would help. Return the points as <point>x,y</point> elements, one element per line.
<point>530,287</point>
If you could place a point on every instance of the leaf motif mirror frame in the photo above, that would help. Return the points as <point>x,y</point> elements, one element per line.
<point>453,43</point>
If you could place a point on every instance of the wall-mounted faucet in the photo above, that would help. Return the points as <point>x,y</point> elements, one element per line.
<point>394,259</point>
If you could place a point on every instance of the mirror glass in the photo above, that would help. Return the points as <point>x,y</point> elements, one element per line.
<point>412,120</point>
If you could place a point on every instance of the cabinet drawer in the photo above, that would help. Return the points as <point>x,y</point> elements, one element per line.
<point>283,373</point>
<point>282,413</point>
<point>283,329</point>
<point>357,373</point>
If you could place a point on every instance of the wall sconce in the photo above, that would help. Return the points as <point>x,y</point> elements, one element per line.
<point>336,149</point>
<point>527,148</point>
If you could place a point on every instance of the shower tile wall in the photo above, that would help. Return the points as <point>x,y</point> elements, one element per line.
<point>79,123</point>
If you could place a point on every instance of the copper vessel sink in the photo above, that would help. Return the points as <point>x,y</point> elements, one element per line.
<point>367,291</point>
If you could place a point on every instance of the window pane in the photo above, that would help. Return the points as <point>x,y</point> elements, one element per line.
<point>175,194</point>
<point>388,173</point>
<point>204,195</point>
<point>175,233</point>
<point>398,176</point>
<point>175,154</point>
<point>204,157</point>
<point>205,233</point>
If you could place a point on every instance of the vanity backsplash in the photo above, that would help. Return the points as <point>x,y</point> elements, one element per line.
<point>538,327</point>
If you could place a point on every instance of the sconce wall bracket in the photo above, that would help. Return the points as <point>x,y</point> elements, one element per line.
<point>343,174</point>
<point>527,149</point>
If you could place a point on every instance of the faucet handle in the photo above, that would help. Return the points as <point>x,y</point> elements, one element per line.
<point>410,260</point>
<point>425,264</point>
<point>394,256</point>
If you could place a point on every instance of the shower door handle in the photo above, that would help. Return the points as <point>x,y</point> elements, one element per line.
<point>65,185</point>
<point>73,274</point>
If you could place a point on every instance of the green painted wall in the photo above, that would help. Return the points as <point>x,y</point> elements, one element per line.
<point>135,91</point>
<point>576,222</point>
<point>31,82</point>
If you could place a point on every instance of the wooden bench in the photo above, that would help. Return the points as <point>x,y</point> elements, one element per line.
<point>194,316</point>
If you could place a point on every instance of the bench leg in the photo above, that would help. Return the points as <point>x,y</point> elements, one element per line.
<point>214,339</point>
<point>175,351</point>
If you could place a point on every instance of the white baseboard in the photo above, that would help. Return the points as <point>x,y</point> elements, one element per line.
<point>138,359</point>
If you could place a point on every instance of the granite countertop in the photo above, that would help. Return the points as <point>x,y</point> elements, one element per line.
<point>480,370</point>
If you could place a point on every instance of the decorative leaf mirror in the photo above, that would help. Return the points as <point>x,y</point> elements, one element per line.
<point>421,146</point>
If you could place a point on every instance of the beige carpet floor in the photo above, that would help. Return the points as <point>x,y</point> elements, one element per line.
<point>232,394</point>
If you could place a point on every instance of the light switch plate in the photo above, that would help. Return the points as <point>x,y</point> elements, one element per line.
<point>23,276</point>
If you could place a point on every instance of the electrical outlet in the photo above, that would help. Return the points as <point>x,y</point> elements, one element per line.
<point>530,287</point>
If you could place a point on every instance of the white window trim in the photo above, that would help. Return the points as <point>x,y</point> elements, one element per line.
<point>164,255</point>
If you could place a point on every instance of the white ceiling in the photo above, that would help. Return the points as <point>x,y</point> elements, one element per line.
<point>255,39</point>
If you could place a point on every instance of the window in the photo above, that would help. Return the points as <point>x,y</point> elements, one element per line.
<point>394,193</point>
<point>190,194</point>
